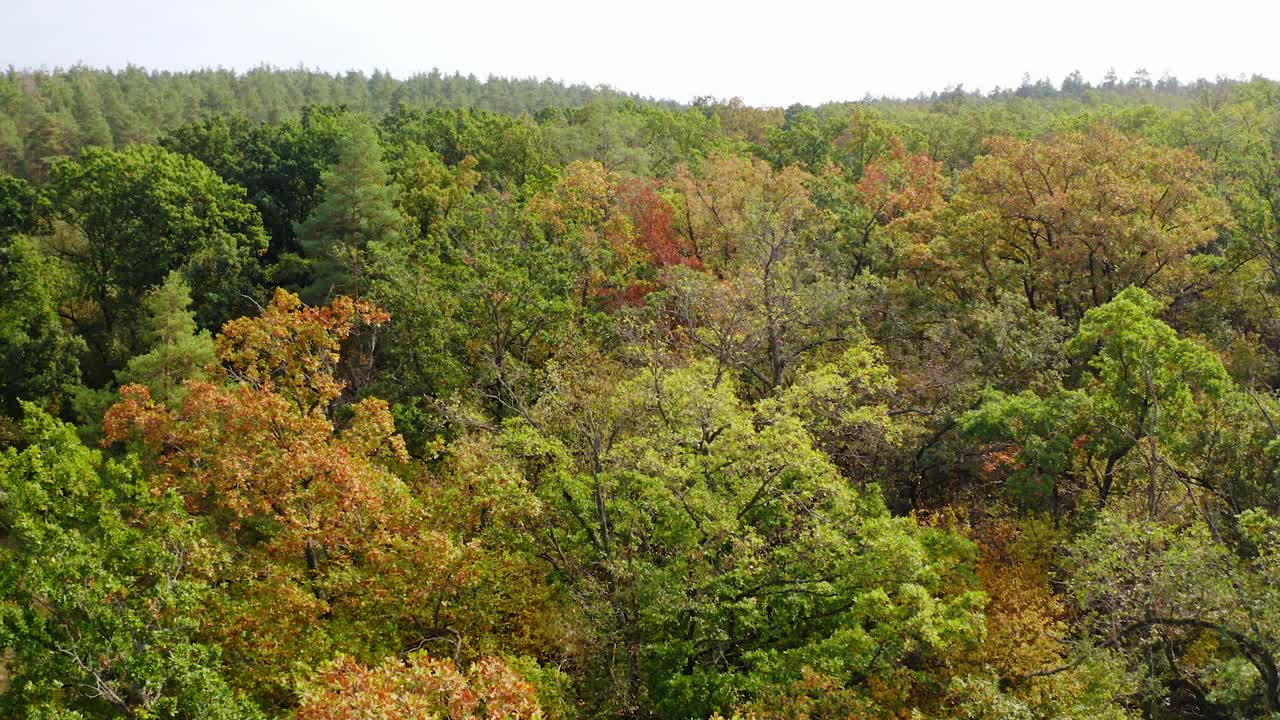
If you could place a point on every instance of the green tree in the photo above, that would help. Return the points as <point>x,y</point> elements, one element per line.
<point>357,215</point>
<point>429,190</point>
<point>23,209</point>
<point>1147,583</point>
<point>140,213</point>
<point>720,554</point>
<point>39,356</point>
<point>803,139</point>
<point>178,351</point>
<point>1145,396</point>
<point>508,150</point>
<point>507,294</point>
<point>100,604</point>
<point>279,164</point>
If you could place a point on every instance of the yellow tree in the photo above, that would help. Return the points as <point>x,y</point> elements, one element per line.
<point>1072,220</point>
<point>583,212</point>
<point>766,299</point>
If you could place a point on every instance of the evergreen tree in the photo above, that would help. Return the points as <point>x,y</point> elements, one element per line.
<point>357,214</point>
<point>178,352</point>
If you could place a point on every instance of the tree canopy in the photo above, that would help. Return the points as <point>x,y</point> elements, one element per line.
<point>353,396</point>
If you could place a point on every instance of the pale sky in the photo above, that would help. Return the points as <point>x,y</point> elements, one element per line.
<point>772,53</point>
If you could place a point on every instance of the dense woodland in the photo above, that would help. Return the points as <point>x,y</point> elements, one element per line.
<point>337,397</point>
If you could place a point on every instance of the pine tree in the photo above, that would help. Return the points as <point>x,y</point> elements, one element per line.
<point>357,214</point>
<point>178,353</point>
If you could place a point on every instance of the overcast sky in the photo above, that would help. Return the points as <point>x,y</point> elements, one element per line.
<point>771,53</point>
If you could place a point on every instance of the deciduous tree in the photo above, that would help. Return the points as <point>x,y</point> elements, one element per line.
<point>1073,220</point>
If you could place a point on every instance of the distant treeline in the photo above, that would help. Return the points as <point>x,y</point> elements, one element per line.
<point>46,114</point>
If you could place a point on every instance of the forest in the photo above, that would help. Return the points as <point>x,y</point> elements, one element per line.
<point>346,396</point>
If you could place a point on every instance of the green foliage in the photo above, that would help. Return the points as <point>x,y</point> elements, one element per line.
<point>140,213</point>
<point>1043,432</point>
<point>508,150</point>
<point>803,139</point>
<point>844,404</point>
<point>178,351</point>
<point>39,356</point>
<point>279,164</point>
<point>1146,583</point>
<point>1146,390</point>
<point>357,215</point>
<point>98,609</point>
<point>429,189</point>
<point>45,113</point>
<point>510,295</point>
<point>23,210</point>
<point>726,552</point>
<point>1143,371</point>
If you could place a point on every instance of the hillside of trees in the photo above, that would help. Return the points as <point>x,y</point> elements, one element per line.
<point>328,397</point>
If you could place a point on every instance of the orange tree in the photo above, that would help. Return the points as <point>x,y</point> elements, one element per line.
<point>330,547</point>
<point>423,687</point>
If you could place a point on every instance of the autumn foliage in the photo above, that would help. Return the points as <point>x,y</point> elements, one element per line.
<point>260,443</point>
<point>1070,222</point>
<point>653,218</point>
<point>418,689</point>
<point>959,408</point>
<point>899,183</point>
<point>310,505</point>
